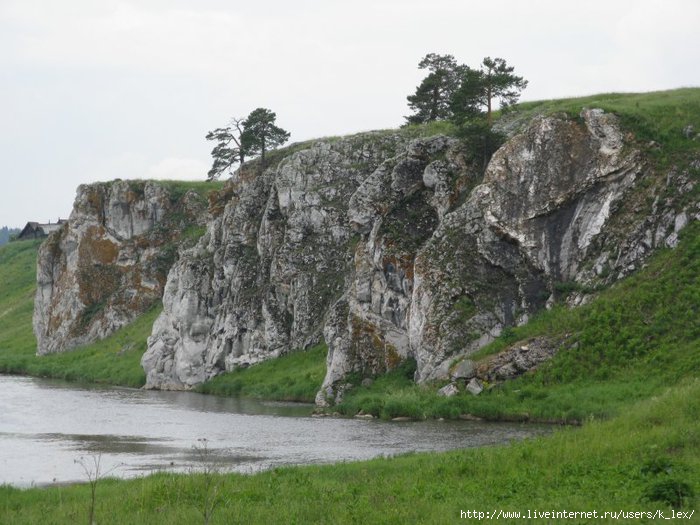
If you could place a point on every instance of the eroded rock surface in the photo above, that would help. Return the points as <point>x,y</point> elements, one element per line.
<point>391,248</point>
<point>109,263</point>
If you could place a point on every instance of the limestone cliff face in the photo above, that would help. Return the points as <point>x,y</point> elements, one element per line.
<point>109,263</point>
<point>263,277</point>
<point>391,248</point>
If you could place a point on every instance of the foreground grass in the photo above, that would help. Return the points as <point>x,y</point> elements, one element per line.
<point>646,459</point>
<point>114,360</point>
<point>296,376</point>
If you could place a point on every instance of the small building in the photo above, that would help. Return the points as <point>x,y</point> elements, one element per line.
<point>35,230</point>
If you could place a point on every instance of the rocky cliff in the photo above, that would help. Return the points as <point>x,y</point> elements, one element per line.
<point>109,263</point>
<point>391,248</point>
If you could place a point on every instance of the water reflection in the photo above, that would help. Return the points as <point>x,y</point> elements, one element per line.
<point>45,426</point>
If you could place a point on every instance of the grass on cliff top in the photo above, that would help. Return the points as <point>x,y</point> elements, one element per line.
<point>296,376</point>
<point>114,360</point>
<point>178,188</point>
<point>659,116</point>
<point>644,460</point>
<point>634,340</point>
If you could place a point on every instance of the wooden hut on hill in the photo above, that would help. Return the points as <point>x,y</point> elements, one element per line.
<point>35,230</point>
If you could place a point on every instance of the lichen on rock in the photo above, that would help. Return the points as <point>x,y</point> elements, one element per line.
<point>109,263</point>
<point>391,248</point>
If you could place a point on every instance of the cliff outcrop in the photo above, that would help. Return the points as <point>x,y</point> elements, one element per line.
<point>390,248</point>
<point>385,246</point>
<point>109,263</point>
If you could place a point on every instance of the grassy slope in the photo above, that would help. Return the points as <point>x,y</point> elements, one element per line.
<point>114,360</point>
<point>294,377</point>
<point>658,116</point>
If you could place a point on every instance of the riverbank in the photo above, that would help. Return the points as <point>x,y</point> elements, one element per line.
<point>645,459</point>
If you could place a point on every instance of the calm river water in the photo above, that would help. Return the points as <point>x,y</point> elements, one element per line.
<point>46,426</point>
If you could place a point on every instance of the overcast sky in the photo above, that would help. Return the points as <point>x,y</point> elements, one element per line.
<point>94,90</point>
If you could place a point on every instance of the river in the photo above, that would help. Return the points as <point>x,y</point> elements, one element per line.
<point>47,428</point>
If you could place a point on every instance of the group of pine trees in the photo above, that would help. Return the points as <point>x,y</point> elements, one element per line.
<point>466,97</point>
<point>451,91</point>
<point>457,92</point>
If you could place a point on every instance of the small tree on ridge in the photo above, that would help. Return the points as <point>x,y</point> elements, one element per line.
<point>262,134</point>
<point>231,147</point>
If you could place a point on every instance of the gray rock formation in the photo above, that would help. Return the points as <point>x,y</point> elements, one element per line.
<point>264,276</point>
<point>109,263</point>
<point>516,360</point>
<point>391,248</point>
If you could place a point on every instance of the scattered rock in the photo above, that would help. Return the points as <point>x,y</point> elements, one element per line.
<point>126,348</point>
<point>402,418</point>
<point>689,131</point>
<point>364,416</point>
<point>367,382</point>
<point>518,359</point>
<point>475,387</point>
<point>448,390</point>
<point>470,417</point>
<point>464,370</point>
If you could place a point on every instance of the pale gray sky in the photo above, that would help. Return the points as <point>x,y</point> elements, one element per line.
<point>98,89</point>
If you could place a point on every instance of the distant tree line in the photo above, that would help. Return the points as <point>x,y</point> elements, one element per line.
<point>7,234</point>
<point>244,138</point>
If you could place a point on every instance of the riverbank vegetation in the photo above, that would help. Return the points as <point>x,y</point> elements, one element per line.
<point>296,376</point>
<point>646,459</point>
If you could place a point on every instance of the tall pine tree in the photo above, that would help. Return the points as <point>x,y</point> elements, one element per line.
<point>431,100</point>
<point>261,132</point>
<point>231,147</point>
<point>479,89</point>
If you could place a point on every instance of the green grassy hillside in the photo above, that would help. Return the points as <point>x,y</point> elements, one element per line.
<point>115,360</point>
<point>293,377</point>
